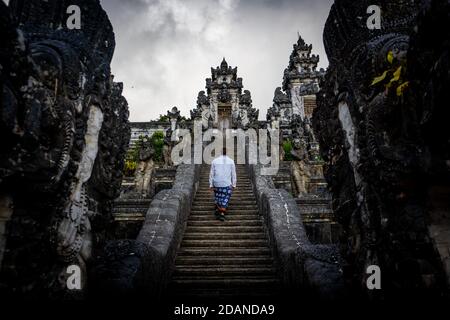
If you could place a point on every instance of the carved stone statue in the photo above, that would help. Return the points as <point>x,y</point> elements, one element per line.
<point>174,117</point>
<point>167,149</point>
<point>64,135</point>
<point>145,168</point>
<point>379,141</point>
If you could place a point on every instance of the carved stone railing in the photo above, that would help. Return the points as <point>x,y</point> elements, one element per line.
<point>302,265</point>
<point>145,265</point>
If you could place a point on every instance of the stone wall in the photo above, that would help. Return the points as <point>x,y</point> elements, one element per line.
<point>303,267</point>
<point>145,264</point>
<point>386,143</point>
<point>64,133</point>
<point>146,129</point>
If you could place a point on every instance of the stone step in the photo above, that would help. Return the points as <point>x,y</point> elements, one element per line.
<point>241,175</point>
<point>202,294</point>
<point>212,207</point>
<point>127,184</point>
<point>238,172</point>
<point>225,243</point>
<point>222,252</point>
<point>236,207</point>
<point>235,191</point>
<point>225,225</point>
<point>225,271</point>
<point>239,189</point>
<point>314,208</point>
<point>233,201</point>
<point>128,217</point>
<point>240,184</point>
<point>219,281</point>
<point>236,194</point>
<point>239,180</point>
<point>235,260</point>
<point>230,212</point>
<point>241,193</point>
<point>230,217</point>
<point>129,210</point>
<point>318,217</point>
<point>223,236</point>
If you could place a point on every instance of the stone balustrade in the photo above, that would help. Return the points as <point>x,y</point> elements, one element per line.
<point>302,265</point>
<point>144,265</point>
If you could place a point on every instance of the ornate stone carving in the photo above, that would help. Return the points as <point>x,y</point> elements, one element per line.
<point>145,168</point>
<point>174,117</point>
<point>202,100</point>
<point>167,149</point>
<point>64,134</point>
<point>246,98</point>
<point>372,137</point>
<point>224,95</point>
<point>225,88</point>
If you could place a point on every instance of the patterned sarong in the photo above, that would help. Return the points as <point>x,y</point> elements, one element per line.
<point>222,197</point>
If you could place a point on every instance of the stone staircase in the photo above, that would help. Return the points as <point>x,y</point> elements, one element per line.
<point>231,258</point>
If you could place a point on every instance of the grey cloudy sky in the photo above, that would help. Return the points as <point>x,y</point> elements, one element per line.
<point>165,48</point>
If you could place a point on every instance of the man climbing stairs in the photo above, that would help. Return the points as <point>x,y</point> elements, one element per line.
<point>225,258</point>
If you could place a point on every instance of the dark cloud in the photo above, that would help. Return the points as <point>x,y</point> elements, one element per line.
<point>165,48</point>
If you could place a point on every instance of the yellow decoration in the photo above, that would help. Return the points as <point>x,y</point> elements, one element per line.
<point>390,57</point>
<point>401,88</point>
<point>397,75</point>
<point>380,78</point>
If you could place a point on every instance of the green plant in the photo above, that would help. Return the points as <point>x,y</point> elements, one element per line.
<point>133,153</point>
<point>132,157</point>
<point>163,118</point>
<point>287,147</point>
<point>157,141</point>
<point>129,168</point>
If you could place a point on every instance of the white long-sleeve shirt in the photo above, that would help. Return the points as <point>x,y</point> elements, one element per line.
<point>223,173</point>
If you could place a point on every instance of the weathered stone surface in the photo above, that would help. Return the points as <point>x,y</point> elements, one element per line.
<point>125,268</point>
<point>302,265</point>
<point>386,151</point>
<point>64,129</point>
<point>161,235</point>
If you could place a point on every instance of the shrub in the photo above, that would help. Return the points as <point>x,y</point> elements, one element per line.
<point>129,168</point>
<point>287,147</point>
<point>157,141</point>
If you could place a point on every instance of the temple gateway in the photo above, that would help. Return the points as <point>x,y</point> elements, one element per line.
<point>225,105</point>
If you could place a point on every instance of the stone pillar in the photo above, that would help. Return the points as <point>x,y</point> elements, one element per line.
<point>298,102</point>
